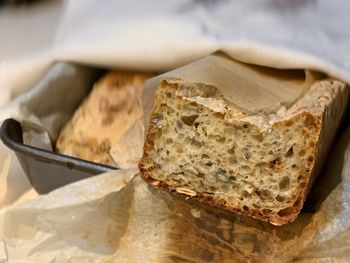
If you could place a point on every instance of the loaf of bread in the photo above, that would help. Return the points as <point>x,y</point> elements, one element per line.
<point>258,164</point>
<point>111,108</point>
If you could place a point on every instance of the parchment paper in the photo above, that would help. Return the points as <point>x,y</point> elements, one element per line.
<point>249,87</point>
<point>114,218</point>
<point>42,111</point>
<point>49,105</point>
<point>104,219</point>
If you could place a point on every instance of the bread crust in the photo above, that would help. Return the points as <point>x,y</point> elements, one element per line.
<point>111,108</point>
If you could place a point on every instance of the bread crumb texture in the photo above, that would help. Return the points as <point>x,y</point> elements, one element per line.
<point>200,145</point>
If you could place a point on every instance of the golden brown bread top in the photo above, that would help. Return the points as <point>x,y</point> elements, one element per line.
<point>110,109</point>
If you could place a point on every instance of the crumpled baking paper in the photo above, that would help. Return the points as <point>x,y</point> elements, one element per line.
<point>255,89</point>
<point>42,111</point>
<point>116,217</point>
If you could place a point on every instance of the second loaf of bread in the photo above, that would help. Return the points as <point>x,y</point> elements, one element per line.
<point>111,108</point>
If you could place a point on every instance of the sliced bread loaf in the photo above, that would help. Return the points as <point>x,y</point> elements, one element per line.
<point>257,164</point>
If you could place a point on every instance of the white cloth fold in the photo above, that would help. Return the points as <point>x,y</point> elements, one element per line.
<point>160,35</point>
